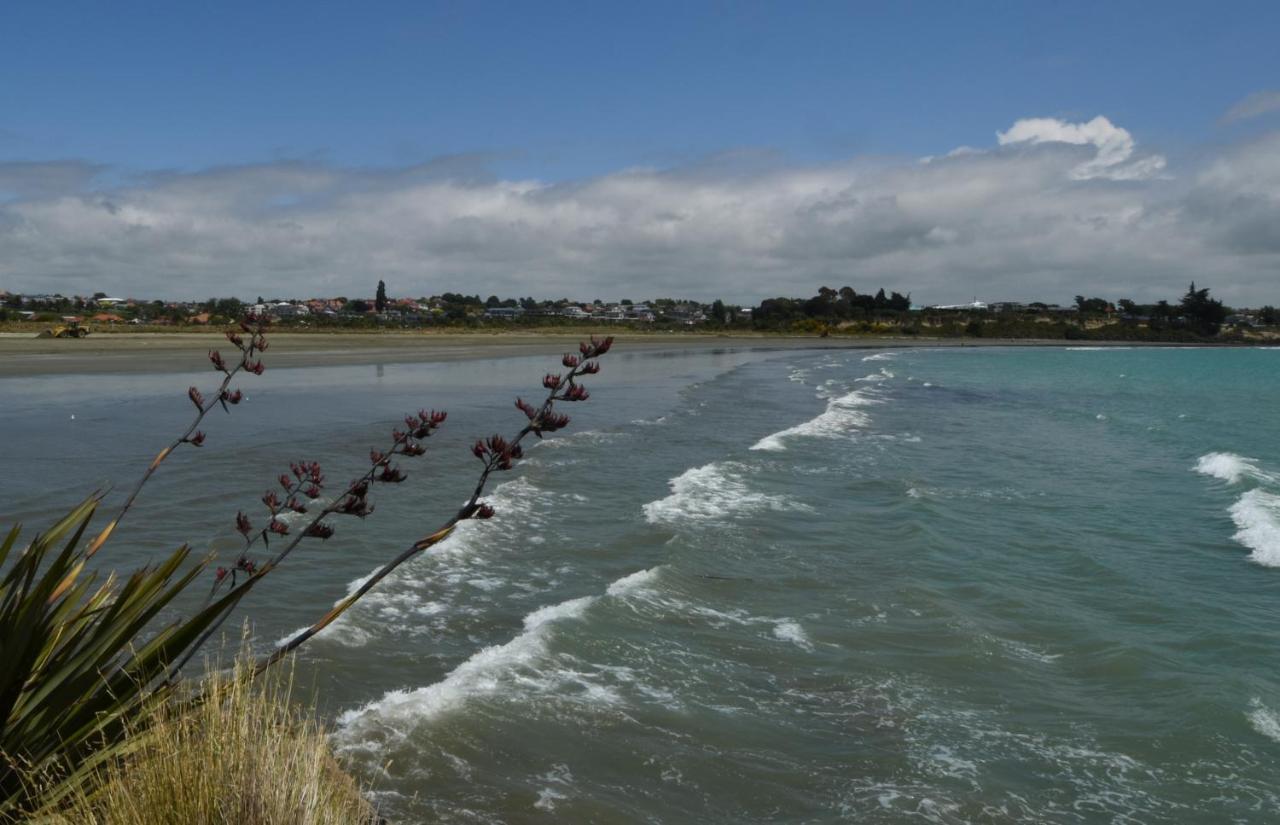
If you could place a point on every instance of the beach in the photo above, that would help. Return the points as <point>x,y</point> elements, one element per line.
<point>22,354</point>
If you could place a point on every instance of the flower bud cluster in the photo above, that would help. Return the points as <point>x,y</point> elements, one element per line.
<point>496,452</point>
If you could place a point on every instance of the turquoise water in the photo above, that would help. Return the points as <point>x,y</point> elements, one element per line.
<point>963,585</point>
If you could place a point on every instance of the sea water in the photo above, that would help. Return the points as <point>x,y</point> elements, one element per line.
<point>938,585</point>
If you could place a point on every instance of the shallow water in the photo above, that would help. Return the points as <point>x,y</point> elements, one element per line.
<point>938,585</point>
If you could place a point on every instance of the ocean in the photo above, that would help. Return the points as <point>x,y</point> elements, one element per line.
<point>936,585</point>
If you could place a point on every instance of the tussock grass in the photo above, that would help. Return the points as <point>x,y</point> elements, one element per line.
<point>243,754</point>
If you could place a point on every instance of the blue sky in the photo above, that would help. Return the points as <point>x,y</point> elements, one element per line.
<point>568,95</point>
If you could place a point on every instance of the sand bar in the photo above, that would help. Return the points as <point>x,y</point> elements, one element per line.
<point>22,354</point>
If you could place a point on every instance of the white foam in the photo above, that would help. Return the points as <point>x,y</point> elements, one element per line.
<point>842,415</point>
<point>713,491</point>
<point>881,356</point>
<point>1231,468</point>
<point>1257,517</point>
<point>484,674</point>
<point>789,630</point>
<point>1264,720</point>
<point>639,580</point>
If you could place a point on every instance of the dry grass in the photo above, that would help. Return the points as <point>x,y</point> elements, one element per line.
<point>247,755</point>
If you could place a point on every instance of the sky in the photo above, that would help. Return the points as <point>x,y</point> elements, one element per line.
<point>1004,151</point>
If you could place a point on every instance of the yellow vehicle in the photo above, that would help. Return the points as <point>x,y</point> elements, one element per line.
<point>71,329</point>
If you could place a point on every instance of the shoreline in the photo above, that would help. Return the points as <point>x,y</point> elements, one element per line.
<point>23,355</point>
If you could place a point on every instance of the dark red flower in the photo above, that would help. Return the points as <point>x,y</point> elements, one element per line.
<point>215,358</point>
<point>484,511</point>
<point>376,457</point>
<point>220,574</point>
<point>233,397</point>
<point>551,381</point>
<point>570,360</point>
<point>235,339</point>
<point>272,501</point>
<point>197,439</point>
<point>278,527</point>
<point>243,525</point>
<point>590,368</point>
<point>576,393</point>
<point>478,449</point>
<point>196,397</point>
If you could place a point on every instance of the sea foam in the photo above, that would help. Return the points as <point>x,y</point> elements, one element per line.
<point>1264,720</point>
<point>843,414</point>
<point>484,674</point>
<point>1257,518</point>
<point>710,492</point>
<point>1231,468</point>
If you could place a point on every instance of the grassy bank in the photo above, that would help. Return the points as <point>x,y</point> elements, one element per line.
<point>245,753</point>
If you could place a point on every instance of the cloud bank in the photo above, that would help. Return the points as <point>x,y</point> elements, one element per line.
<point>1050,210</point>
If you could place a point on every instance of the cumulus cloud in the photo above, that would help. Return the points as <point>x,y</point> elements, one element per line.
<point>1114,147</point>
<point>1258,103</point>
<point>1057,209</point>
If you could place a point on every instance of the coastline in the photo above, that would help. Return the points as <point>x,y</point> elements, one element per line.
<point>23,355</point>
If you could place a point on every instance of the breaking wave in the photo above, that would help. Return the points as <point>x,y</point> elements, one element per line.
<point>487,672</point>
<point>843,414</point>
<point>711,492</point>
<point>1257,518</point>
<point>1231,468</point>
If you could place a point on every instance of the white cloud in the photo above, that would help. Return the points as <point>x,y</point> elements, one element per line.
<point>1258,103</point>
<point>1006,223</point>
<point>1114,146</point>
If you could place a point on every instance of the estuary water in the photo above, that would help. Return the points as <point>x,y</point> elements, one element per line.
<point>951,585</point>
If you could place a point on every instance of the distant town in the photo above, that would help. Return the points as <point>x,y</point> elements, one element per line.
<point>1195,316</point>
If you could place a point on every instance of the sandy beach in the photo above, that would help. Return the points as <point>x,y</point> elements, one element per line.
<point>22,354</point>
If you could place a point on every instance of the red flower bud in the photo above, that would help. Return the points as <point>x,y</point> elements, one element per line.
<point>376,457</point>
<point>278,527</point>
<point>197,439</point>
<point>551,381</point>
<point>271,500</point>
<point>312,492</point>
<point>196,398</point>
<point>243,525</point>
<point>235,339</point>
<point>320,530</point>
<point>478,449</point>
<point>220,574</point>
<point>528,409</point>
<point>576,393</point>
<point>570,360</point>
<point>484,511</point>
<point>234,397</point>
<point>590,368</point>
<point>215,358</point>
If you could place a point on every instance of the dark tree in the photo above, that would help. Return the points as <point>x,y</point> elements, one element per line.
<point>1202,312</point>
<point>718,312</point>
<point>380,300</point>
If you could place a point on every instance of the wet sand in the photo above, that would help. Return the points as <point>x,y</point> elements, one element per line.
<point>22,354</point>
